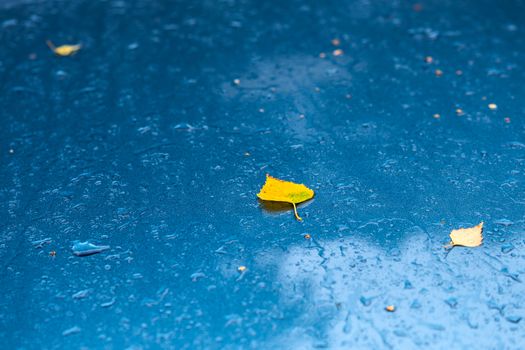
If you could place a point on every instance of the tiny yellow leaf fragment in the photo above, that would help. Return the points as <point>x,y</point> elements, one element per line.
<point>467,237</point>
<point>64,50</point>
<point>285,191</point>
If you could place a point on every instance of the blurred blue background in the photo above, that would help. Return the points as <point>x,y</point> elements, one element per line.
<point>156,136</point>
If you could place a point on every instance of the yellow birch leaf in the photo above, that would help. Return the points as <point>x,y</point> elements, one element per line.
<point>467,237</point>
<point>285,191</point>
<point>64,50</point>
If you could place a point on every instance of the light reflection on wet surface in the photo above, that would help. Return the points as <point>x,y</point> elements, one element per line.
<point>154,139</point>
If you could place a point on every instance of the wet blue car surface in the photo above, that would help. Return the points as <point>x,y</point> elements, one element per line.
<point>129,174</point>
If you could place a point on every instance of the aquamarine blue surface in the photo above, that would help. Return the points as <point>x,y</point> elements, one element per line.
<point>129,173</point>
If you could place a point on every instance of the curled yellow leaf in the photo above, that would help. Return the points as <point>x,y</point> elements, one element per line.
<point>285,191</point>
<point>467,237</point>
<point>64,50</point>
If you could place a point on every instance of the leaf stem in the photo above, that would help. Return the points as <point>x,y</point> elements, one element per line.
<point>51,45</point>
<point>295,213</point>
<point>448,248</point>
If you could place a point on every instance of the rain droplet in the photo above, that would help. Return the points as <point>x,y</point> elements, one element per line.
<point>452,302</point>
<point>507,248</point>
<point>108,303</point>
<point>197,276</point>
<point>41,242</point>
<point>183,126</point>
<point>503,222</point>
<point>71,331</point>
<point>87,248</point>
<point>82,294</point>
<point>365,301</point>
<point>513,319</point>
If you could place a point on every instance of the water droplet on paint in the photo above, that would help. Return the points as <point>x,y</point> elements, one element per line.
<point>513,319</point>
<point>183,126</point>
<point>507,248</point>
<point>87,248</point>
<point>108,303</point>
<point>82,294</point>
<point>71,331</point>
<point>41,242</point>
<point>503,222</point>
<point>197,276</point>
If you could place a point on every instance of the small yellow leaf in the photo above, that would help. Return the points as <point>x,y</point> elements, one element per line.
<point>467,237</point>
<point>285,191</point>
<point>64,50</point>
